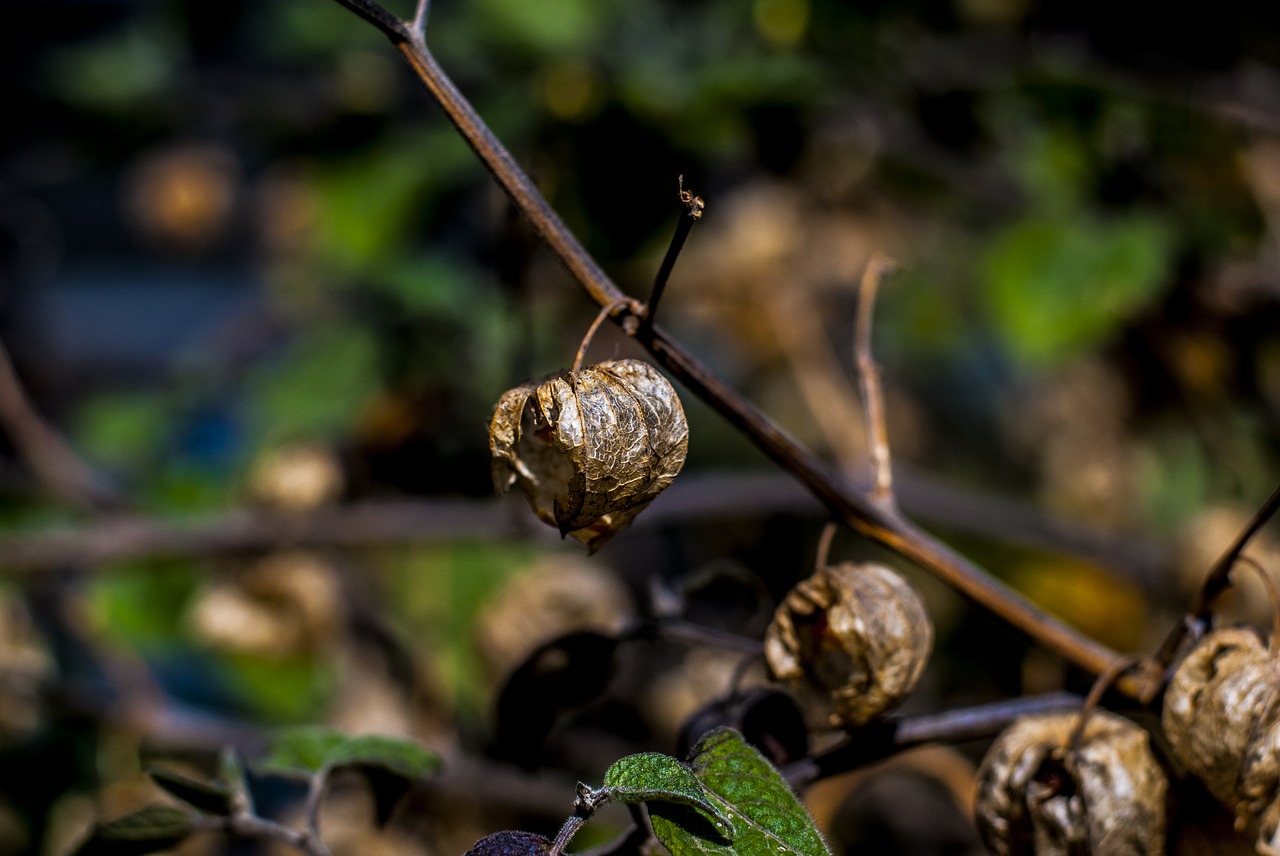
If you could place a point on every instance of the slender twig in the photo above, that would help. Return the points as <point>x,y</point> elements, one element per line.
<point>419,23</point>
<point>1100,686</point>
<point>824,546</point>
<point>886,737</point>
<point>604,313</point>
<point>311,811</point>
<point>1217,581</point>
<point>869,382</point>
<point>252,826</point>
<point>694,206</point>
<point>49,456</point>
<point>852,506</point>
<point>697,635</point>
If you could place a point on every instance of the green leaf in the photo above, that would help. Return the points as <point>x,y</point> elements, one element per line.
<point>767,817</point>
<point>1058,286</point>
<point>308,750</point>
<point>653,777</point>
<point>146,831</point>
<point>208,797</point>
<point>300,752</point>
<point>393,754</point>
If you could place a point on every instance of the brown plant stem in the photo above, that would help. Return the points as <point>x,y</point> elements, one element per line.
<point>885,737</point>
<point>854,507</point>
<point>869,383</point>
<point>694,207</point>
<point>1217,581</point>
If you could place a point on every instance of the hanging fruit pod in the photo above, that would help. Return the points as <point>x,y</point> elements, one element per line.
<point>590,448</point>
<point>1104,798</point>
<point>1222,719</point>
<point>858,633</point>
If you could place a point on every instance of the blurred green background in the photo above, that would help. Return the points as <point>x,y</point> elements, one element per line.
<point>244,261</point>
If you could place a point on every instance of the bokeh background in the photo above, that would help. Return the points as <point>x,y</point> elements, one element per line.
<point>248,269</point>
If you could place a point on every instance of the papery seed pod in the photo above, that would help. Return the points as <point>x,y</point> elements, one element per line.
<point>1222,719</point>
<point>590,448</point>
<point>1107,798</point>
<point>857,632</point>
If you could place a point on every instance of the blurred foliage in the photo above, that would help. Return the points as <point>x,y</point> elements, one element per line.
<point>1084,207</point>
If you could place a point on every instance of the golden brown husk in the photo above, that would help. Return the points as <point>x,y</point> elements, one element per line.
<point>1107,799</point>
<point>591,448</point>
<point>858,632</point>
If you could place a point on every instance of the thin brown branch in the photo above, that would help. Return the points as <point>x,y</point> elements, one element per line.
<point>869,382</point>
<point>886,737</point>
<point>1216,581</point>
<point>693,208</point>
<point>62,473</point>
<point>851,505</point>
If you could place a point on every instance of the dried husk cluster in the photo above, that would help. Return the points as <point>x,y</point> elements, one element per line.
<point>1222,721</point>
<point>856,632</point>
<point>1105,799</point>
<point>590,448</point>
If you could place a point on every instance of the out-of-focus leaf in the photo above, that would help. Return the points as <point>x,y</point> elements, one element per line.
<point>320,386</point>
<point>768,819</point>
<point>301,752</point>
<point>1056,286</point>
<point>550,28</point>
<point>145,831</point>
<point>307,750</point>
<point>652,776</point>
<point>208,797</point>
<point>393,754</point>
<point>564,674</point>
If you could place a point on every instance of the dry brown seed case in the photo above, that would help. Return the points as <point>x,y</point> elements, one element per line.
<point>1221,719</point>
<point>590,448</point>
<point>858,632</point>
<point>1105,799</point>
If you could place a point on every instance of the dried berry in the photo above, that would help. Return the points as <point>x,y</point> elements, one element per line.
<point>857,632</point>
<point>1223,723</point>
<point>1105,798</point>
<point>590,448</point>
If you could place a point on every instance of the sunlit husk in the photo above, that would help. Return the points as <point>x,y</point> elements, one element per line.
<point>1108,799</point>
<point>591,448</point>
<point>1222,721</point>
<point>858,632</point>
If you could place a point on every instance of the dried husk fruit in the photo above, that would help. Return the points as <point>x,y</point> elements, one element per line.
<point>590,448</point>
<point>858,633</point>
<point>1222,720</point>
<point>1105,798</point>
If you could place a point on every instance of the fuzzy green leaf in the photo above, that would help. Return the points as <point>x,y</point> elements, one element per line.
<point>393,754</point>
<point>653,777</point>
<point>768,819</point>
<point>306,751</point>
<point>146,831</point>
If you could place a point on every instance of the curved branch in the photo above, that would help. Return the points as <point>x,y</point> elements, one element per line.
<point>850,504</point>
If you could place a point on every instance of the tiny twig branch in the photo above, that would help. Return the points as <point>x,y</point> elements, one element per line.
<point>851,506</point>
<point>694,206</point>
<point>869,382</point>
<point>62,473</point>
<point>1216,582</point>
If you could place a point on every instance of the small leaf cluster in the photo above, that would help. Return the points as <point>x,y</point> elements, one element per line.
<point>391,765</point>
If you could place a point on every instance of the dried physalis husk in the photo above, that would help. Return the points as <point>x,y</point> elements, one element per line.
<point>1222,719</point>
<point>590,448</point>
<point>857,632</point>
<point>1105,799</point>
